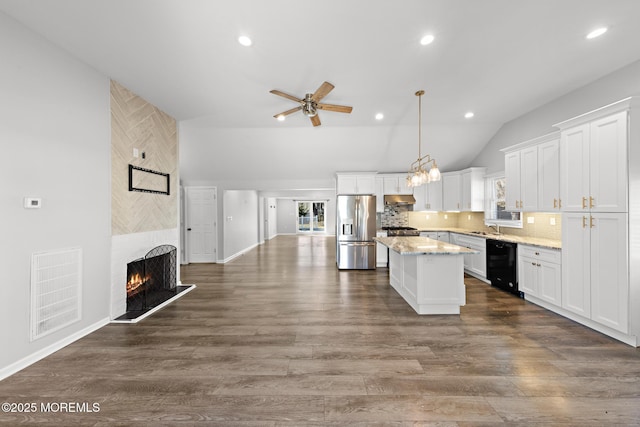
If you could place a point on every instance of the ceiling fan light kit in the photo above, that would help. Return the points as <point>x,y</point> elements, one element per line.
<point>419,172</point>
<point>310,104</point>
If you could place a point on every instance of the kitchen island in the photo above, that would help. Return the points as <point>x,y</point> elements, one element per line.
<point>427,273</point>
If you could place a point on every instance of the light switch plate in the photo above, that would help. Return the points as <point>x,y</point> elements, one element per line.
<point>531,219</point>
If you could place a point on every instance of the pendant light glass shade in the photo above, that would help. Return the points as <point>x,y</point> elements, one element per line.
<point>418,172</point>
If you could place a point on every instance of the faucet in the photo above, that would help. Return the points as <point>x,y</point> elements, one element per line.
<point>496,227</point>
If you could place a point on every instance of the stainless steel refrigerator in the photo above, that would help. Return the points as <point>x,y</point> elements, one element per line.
<point>355,230</point>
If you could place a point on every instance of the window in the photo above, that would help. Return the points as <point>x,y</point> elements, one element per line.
<point>310,217</point>
<point>495,203</point>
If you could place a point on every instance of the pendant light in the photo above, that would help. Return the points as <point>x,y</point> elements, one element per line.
<point>418,173</point>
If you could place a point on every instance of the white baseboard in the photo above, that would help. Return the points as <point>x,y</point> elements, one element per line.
<point>236,255</point>
<point>41,354</point>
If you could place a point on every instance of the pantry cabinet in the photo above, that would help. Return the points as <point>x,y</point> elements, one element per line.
<point>593,158</point>
<point>595,281</point>
<point>599,159</point>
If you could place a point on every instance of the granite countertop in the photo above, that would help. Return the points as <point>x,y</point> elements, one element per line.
<point>410,245</point>
<point>523,240</point>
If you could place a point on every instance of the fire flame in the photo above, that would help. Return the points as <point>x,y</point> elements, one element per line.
<point>135,281</point>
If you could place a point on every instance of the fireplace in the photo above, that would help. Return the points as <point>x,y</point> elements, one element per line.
<point>151,280</point>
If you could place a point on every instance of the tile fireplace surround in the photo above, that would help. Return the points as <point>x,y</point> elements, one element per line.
<point>124,249</point>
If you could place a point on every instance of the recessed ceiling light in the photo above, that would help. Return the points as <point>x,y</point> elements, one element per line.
<point>468,115</point>
<point>281,118</point>
<point>244,41</point>
<point>428,39</point>
<point>596,33</point>
<point>379,116</point>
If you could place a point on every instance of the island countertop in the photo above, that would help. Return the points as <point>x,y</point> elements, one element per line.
<point>413,245</point>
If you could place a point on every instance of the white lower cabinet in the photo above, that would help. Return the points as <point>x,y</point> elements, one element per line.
<point>595,282</point>
<point>474,264</point>
<point>540,273</point>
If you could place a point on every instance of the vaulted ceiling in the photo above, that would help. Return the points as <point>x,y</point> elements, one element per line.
<point>497,58</point>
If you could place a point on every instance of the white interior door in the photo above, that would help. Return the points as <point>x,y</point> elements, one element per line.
<point>202,208</point>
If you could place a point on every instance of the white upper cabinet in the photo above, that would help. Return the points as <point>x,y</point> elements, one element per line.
<point>395,184</point>
<point>428,197</point>
<point>433,191</point>
<point>356,183</point>
<point>512,177</point>
<point>463,190</point>
<point>532,171</point>
<point>452,191</point>
<point>473,189</point>
<point>593,165</point>
<point>549,176</point>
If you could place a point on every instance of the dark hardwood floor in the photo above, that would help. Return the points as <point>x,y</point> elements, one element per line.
<point>280,337</point>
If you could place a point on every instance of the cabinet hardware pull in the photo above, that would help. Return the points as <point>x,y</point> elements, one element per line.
<point>591,224</point>
<point>537,265</point>
<point>559,203</point>
<point>591,199</point>
<point>584,222</point>
<point>584,203</point>
<point>533,263</point>
<point>537,253</point>
<point>555,203</point>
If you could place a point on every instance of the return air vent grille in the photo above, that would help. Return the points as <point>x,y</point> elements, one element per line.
<point>56,285</point>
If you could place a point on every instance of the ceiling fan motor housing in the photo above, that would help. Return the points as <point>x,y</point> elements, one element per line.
<point>309,106</point>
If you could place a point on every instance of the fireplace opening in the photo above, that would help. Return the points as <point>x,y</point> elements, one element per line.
<point>151,280</point>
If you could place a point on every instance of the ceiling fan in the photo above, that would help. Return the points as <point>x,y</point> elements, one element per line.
<point>310,104</point>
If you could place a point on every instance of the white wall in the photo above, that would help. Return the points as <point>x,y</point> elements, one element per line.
<point>287,216</point>
<point>55,139</point>
<point>613,87</point>
<point>240,208</point>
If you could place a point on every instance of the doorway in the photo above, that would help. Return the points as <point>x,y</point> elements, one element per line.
<point>311,217</point>
<point>201,233</point>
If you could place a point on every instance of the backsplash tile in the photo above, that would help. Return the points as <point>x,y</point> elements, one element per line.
<point>541,226</point>
<point>395,216</point>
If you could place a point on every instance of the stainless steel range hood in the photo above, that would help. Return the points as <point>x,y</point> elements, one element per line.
<point>399,199</point>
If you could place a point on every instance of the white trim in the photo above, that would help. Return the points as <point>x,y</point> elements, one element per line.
<point>631,340</point>
<point>41,354</point>
<point>531,142</point>
<point>615,107</point>
<point>237,254</point>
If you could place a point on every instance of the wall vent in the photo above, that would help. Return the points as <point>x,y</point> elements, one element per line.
<point>56,290</point>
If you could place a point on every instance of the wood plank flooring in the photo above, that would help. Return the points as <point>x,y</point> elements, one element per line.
<point>280,337</point>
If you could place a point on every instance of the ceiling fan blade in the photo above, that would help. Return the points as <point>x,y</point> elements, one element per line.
<point>315,120</point>
<point>285,95</point>
<point>286,113</point>
<point>322,91</point>
<point>336,108</point>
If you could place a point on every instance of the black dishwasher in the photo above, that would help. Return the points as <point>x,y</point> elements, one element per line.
<point>502,265</point>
